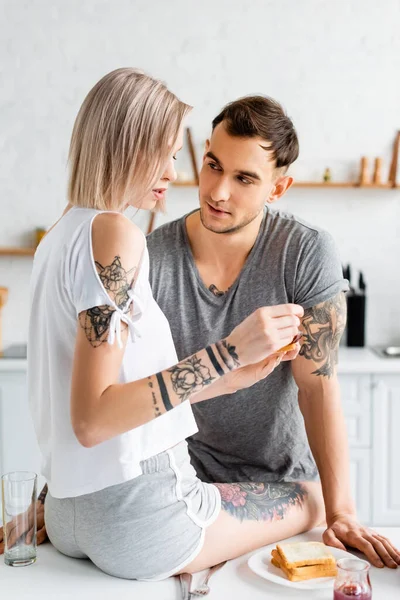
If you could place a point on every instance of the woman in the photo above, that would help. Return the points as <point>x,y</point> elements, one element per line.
<point>111,404</point>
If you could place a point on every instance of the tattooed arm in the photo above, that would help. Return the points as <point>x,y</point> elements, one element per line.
<point>102,408</point>
<point>314,371</point>
<point>319,399</point>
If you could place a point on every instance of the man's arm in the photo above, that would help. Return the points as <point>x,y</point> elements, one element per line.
<point>315,374</point>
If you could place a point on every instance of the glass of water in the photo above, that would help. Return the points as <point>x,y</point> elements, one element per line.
<point>19,492</point>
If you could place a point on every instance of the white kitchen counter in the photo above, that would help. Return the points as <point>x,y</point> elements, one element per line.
<point>364,360</point>
<point>351,360</point>
<point>57,577</point>
<point>13,364</point>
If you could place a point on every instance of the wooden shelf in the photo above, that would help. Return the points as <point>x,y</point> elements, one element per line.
<point>315,184</point>
<point>184,184</point>
<point>322,184</point>
<point>17,251</point>
<point>343,184</point>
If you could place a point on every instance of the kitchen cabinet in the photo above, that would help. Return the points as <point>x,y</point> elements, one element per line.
<point>370,389</point>
<point>356,393</point>
<point>386,444</point>
<point>19,450</point>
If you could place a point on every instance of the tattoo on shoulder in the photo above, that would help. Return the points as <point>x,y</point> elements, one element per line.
<point>228,354</point>
<point>189,376</point>
<point>117,281</point>
<point>96,324</point>
<point>260,501</point>
<point>324,325</point>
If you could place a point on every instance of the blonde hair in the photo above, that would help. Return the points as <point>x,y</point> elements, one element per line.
<point>122,139</point>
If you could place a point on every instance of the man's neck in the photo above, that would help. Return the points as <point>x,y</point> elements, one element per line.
<point>225,250</point>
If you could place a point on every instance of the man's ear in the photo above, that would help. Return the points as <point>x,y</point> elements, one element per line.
<point>280,186</point>
<point>206,149</point>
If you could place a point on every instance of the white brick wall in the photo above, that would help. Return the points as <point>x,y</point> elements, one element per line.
<point>334,65</point>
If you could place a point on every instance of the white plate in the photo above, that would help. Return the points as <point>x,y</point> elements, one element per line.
<point>260,563</point>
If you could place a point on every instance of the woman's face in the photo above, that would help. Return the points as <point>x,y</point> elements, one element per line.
<point>159,191</point>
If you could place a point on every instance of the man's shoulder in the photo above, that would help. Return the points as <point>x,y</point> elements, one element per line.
<point>167,235</point>
<point>294,229</point>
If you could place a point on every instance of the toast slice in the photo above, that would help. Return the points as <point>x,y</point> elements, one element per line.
<point>303,573</point>
<point>302,554</point>
<point>292,345</point>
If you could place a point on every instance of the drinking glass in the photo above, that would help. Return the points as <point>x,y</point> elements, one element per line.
<point>19,491</point>
<point>352,580</point>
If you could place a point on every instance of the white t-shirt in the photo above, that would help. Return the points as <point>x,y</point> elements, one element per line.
<point>64,283</point>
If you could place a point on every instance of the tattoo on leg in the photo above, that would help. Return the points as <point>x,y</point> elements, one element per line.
<point>260,501</point>
<point>189,376</point>
<point>228,354</point>
<point>324,325</point>
<point>157,412</point>
<point>117,281</point>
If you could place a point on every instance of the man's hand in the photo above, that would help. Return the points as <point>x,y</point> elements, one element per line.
<point>345,530</point>
<point>15,529</point>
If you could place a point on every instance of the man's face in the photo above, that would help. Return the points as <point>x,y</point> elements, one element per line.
<point>236,180</point>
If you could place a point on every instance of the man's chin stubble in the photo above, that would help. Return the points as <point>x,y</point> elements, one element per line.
<point>233,229</point>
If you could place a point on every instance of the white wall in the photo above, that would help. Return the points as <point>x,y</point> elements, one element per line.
<point>334,65</point>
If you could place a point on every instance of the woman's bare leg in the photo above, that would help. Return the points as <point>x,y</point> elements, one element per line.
<point>254,515</point>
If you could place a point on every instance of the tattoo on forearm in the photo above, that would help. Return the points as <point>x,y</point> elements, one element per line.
<point>260,501</point>
<point>157,412</point>
<point>43,494</point>
<point>117,281</point>
<point>189,376</point>
<point>164,392</point>
<point>214,361</point>
<point>228,354</point>
<point>324,325</point>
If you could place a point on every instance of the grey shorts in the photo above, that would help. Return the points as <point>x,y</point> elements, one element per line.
<point>147,528</point>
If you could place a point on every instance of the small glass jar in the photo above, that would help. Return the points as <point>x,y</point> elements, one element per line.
<point>352,580</point>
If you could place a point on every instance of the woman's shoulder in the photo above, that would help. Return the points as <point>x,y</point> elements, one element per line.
<point>113,232</point>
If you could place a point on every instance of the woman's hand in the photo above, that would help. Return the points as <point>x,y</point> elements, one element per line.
<point>16,529</point>
<point>247,376</point>
<point>263,333</point>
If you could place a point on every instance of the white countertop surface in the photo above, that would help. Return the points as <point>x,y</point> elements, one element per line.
<point>351,360</point>
<point>364,360</point>
<point>57,577</point>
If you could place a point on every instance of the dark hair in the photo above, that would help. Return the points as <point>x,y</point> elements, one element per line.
<point>261,116</point>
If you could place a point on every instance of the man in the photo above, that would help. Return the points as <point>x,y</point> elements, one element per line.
<point>215,266</point>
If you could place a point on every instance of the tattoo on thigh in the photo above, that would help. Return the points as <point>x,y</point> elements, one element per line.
<point>324,325</point>
<point>228,354</point>
<point>189,376</point>
<point>260,501</point>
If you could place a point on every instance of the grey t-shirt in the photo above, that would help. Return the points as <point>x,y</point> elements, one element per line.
<point>256,434</point>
